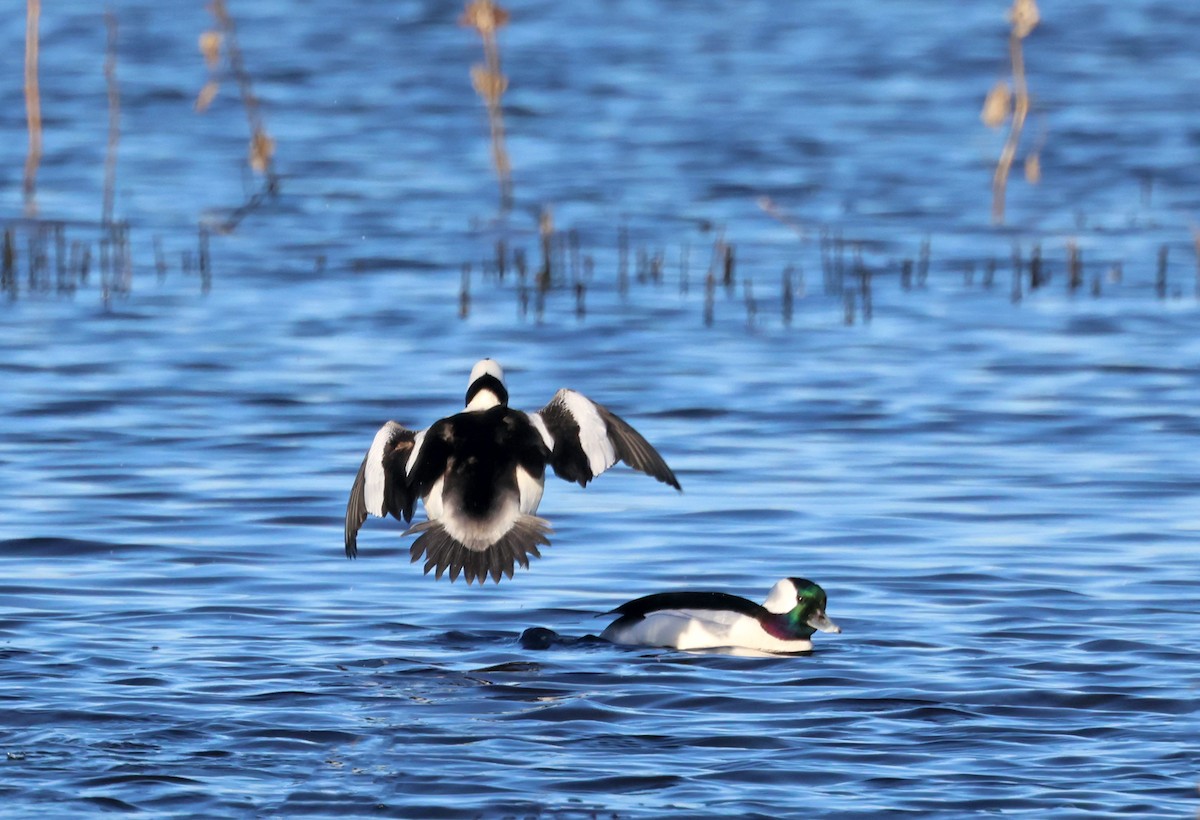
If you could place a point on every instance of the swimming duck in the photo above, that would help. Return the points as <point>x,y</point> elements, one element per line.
<point>793,611</point>
<point>480,475</point>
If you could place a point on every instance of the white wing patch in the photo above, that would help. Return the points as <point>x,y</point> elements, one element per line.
<point>416,451</point>
<point>539,424</point>
<point>593,432</point>
<point>373,478</point>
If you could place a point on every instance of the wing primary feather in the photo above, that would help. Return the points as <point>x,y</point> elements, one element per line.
<point>583,431</point>
<point>634,450</point>
<point>356,510</point>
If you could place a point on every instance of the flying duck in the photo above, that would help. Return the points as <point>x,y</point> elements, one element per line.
<point>793,611</point>
<point>480,475</point>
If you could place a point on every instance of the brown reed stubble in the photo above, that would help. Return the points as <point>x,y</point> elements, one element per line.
<point>33,104</point>
<point>489,82</point>
<point>1011,104</point>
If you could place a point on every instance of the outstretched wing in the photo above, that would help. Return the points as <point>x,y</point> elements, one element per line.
<point>586,438</point>
<point>381,486</point>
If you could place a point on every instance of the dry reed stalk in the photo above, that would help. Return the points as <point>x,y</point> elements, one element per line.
<point>864,284</point>
<point>160,259</point>
<point>489,82</point>
<point>202,255</point>
<point>114,116</point>
<point>1017,268</point>
<point>1012,105</point>
<point>1074,266</point>
<point>33,104</point>
<point>464,292</point>
<point>768,206</point>
<point>546,235</point>
<point>710,290</point>
<point>214,45</point>
<point>1196,245</point>
<point>1160,277</point>
<point>580,295</point>
<point>751,303</point>
<point>623,260</point>
<point>684,278</point>
<point>787,302</point>
<point>501,255</point>
<point>8,264</point>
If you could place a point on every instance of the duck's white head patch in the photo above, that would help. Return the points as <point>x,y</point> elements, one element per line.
<point>488,367</point>
<point>781,598</point>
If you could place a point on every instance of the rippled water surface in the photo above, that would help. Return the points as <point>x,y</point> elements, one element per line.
<point>998,491</point>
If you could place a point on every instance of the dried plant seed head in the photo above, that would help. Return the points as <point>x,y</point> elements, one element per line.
<point>1024,17</point>
<point>207,95</point>
<point>1033,169</point>
<point>488,84</point>
<point>997,106</point>
<point>210,47</point>
<point>484,16</point>
<point>262,149</point>
<point>546,222</point>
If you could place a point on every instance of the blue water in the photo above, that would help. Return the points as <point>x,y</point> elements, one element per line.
<point>998,496</point>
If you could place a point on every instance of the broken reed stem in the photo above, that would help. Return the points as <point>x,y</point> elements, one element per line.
<point>486,17</point>
<point>1160,276</point>
<point>464,292</point>
<point>33,104</point>
<point>1196,245</point>
<point>114,117</point>
<point>1024,18</point>
<point>1020,112</point>
<point>262,147</point>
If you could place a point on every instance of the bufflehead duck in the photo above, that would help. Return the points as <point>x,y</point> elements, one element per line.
<point>793,611</point>
<point>480,474</point>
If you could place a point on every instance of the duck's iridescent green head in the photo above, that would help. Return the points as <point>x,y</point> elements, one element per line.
<point>800,605</point>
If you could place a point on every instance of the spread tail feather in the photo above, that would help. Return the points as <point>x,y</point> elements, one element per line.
<point>443,552</point>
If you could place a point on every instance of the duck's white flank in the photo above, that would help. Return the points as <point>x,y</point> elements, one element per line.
<point>530,490</point>
<point>701,629</point>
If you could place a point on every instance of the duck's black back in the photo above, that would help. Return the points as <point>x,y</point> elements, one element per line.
<point>476,453</point>
<point>641,607</point>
